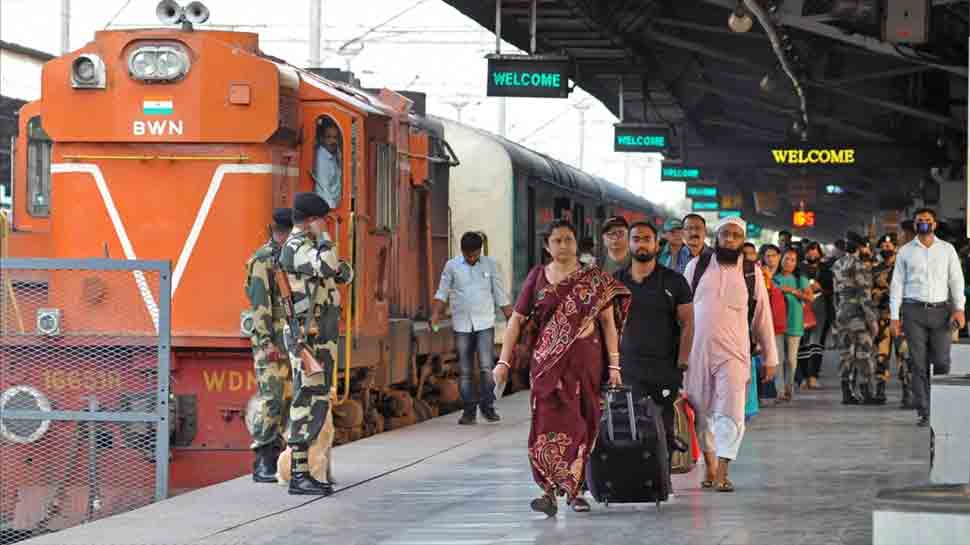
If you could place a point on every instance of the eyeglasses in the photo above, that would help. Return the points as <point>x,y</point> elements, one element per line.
<point>619,233</point>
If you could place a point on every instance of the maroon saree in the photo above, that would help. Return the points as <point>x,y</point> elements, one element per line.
<point>566,371</point>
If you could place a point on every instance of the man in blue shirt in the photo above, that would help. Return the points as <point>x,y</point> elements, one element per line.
<point>473,284</point>
<point>926,301</point>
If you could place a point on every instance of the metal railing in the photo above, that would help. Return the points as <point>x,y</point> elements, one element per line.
<point>84,391</point>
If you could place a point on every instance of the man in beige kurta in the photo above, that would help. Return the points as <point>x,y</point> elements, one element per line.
<point>720,356</point>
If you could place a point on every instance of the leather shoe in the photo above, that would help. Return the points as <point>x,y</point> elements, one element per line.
<point>924,422</point>
<point>491,415</point>
<point>467,420</point>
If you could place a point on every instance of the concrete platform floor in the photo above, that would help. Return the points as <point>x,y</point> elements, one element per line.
<point>807,474</point>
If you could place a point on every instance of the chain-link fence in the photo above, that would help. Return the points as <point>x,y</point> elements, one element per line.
<point>84,368</point>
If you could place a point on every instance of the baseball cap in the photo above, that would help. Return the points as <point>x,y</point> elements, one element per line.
<point>615,221</point>
<point>672,225</point>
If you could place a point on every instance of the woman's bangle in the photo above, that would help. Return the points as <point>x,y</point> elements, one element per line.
<point>614,354</point>
<point>617,367</point>
<point>503,362</point>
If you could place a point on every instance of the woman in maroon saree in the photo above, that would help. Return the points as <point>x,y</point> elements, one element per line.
<point>577,313</point>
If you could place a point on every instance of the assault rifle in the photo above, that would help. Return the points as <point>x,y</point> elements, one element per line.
<point>310,364</point>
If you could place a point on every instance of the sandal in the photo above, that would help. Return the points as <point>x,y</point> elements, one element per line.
<point>580,505</point>
<point>725,486</point>
<point>707,484</point>
<point>546,505</point>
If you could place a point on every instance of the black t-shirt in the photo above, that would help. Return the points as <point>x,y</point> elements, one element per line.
<point>650,343</point>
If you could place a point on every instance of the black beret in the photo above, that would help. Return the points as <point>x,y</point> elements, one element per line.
<point>283,217</point>
<point>855,238</point>
<point>309,205</point>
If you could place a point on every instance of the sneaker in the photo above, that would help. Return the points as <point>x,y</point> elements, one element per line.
<point>491,415</point>
<point>924,422</point>
<point>466,420</point>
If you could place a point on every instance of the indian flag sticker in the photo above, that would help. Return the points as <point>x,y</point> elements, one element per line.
<point>157,106</point>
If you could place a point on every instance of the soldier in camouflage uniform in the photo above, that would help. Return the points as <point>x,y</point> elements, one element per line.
<point>310,261</point>
<point>856,320</point>
<point>269,355</point>
<point>886,339</point>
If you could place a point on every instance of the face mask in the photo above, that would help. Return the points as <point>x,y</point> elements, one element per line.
<point>646,257</point>
<point>924,228</point>
<point>886,254</point>
<point>725,255</point>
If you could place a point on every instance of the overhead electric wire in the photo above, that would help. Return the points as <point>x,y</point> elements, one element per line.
<point>378,26</point>
<point>127,2</point>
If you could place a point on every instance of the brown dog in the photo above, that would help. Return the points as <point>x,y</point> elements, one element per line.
<point>319,456</point>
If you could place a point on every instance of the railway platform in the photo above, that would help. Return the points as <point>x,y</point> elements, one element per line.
<point>807,474</point>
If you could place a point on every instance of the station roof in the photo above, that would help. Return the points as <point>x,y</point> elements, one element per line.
<point>902,107</point>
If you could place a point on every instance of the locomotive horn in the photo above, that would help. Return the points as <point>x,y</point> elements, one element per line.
<point>169,12</point>
<point>196,13</point>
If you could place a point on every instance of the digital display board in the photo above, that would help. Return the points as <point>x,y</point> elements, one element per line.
<point>640,137</point>
<point>527,76</point>
<point>672,173</point>
<point>702,191</point>
<point>709,206</point>
<point>803,218</point>
<point>729,214</point>
<point>753,230</point>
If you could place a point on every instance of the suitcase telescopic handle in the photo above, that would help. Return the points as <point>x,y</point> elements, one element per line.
<point>630,409</point>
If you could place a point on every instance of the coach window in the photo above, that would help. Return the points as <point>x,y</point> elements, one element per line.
<point>328,161</point>
<point>38,169</point>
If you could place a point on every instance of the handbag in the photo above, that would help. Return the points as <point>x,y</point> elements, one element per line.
<point>808,316</point>
<point>779,309</point>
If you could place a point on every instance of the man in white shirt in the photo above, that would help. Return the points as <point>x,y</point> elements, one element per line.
<point>473,284</point>
<point>926,302</point>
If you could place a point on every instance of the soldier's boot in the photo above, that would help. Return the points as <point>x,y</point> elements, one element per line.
<point>264,465</point>
<point>301,482</point>
<point>907,401</point>
<point>880,397</point>
<point>848,398</point>
<point>866,392</point>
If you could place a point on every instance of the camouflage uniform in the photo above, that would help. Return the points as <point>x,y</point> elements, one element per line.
<point>854,315</point>
<point>314,272</point>
<point>274,387</point>
<point>886,340</point>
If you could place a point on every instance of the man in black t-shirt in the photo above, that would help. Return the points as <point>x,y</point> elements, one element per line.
<point>660,327</point>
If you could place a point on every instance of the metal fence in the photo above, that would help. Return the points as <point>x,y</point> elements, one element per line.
<point>84,371</point>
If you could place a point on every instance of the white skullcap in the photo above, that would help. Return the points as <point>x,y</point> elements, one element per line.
<point>734,220</point>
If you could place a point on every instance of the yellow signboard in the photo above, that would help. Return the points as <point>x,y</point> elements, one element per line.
<point>814,156</point>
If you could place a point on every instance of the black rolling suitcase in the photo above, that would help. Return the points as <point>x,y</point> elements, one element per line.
<point>629,463</point>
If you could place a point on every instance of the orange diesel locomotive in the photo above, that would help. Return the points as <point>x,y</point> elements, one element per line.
<point>176,144</point>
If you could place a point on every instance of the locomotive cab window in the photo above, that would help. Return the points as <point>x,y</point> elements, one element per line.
<point>38,169</point>
<point>328,161</point>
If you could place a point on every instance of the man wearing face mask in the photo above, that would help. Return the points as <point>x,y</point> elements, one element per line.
<point>926,300</point>
<point>659,328</point>
<point>731,312</point>
<point>310,262</point>
<point>855,320</point>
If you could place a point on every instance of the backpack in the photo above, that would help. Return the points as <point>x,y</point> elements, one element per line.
<point>749,270</point>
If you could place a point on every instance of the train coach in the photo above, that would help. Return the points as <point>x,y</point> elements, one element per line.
<point>174,144</point>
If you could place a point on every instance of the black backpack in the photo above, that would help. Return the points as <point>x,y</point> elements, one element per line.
<point>748,269</point>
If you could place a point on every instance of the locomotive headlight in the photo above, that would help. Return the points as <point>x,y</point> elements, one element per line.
<point>23,398</point>
<point>88,72</point>
<point>158,63</point>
